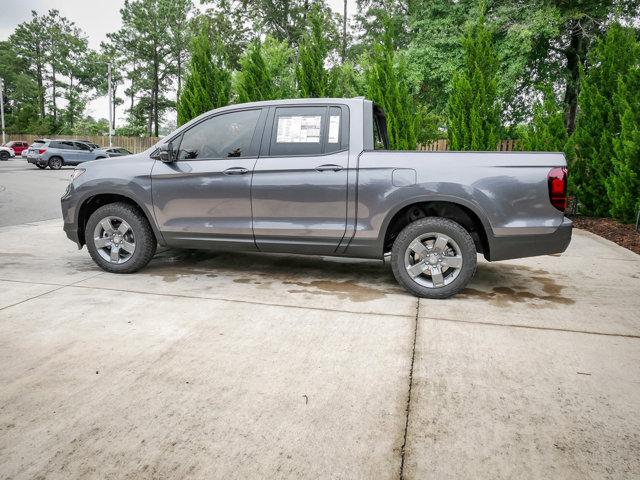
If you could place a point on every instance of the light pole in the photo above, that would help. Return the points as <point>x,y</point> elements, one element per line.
<point>2,108</point>
<point>110,105</point>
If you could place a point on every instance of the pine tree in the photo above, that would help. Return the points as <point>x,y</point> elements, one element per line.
<point>254,82</point>
<point>387,85</point>
<point>598,122</point>
<point>623,185</point>
<point>473,110</point>
<point>207,85</point>
<point>546,132</point>
<point>314,80</point>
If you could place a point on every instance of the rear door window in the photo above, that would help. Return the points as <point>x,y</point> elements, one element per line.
<point>298,131</point>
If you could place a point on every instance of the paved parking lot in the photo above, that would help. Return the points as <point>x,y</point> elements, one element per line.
<point>212,365</point>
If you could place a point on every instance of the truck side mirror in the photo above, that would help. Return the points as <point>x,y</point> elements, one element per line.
<point>165,153</point>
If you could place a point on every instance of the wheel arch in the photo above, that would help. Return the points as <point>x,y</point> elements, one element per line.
<point>454,209</point>
<point>93,202</point>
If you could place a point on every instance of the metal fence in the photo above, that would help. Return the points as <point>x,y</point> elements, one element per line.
<point>133,144</point>
<point>442,145</point>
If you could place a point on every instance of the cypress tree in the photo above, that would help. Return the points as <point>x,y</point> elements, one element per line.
<point>473,111</point>
<point>598,122</point>
<point>278,57</point>
<point>546,132</point>
<point>208,82</point>
<point>254,82</point>
<point>623,185</point>
<point>313,79</point>
<point>386,84</point>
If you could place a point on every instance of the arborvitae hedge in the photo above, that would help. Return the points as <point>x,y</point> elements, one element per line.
<point>387,85</point>
<point>473,108</point>
<point>207,84</point>
<point>546,132</point>
<point>598,122</point>
<point>254,82</point>
<point>313,79</point>
<point>623,185</point>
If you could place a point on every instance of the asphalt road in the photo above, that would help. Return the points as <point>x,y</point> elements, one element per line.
<point>28,194</point>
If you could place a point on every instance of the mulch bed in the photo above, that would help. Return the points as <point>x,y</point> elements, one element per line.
<point>624,235</point>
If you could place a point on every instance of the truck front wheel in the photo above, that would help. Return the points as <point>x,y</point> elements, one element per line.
<point>119,238</point>
<point>433,258</point>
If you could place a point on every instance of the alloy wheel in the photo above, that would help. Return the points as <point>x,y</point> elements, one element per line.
<point>433,260</point>
<point>114,240</point>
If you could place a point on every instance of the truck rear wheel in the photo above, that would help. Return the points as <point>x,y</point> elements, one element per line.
<point>433,258</point>
<point>119,238</point>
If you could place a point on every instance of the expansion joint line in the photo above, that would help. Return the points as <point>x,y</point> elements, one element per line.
<point>408,407</point>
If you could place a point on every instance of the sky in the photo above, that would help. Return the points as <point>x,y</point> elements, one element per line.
<point>95,17</point>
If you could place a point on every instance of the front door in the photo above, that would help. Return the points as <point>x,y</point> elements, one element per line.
<point>203,198</point>
<point>299,192</point>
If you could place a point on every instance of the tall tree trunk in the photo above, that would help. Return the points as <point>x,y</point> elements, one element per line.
<point>179,59</point>
<point>40,81</point>
<point>344,33</point>
<point>113,106</point>
<point>156,87</point>
<point>575,56</point>
<point>150,119</point>
<point>71,106</point>
<point>53,80</point>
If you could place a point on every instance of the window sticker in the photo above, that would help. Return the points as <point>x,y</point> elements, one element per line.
<point>299,129</point>
<point>334,129</point>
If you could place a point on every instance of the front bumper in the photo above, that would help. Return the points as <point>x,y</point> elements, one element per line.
<point>520,246</point>
<point>68,206</point>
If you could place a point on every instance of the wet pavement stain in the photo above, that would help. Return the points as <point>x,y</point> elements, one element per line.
<point>501,284</point>
<point>343,290</point>
<point>524,280</point>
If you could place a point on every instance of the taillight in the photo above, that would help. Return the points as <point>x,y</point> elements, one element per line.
<point>42,150</point>
<point>557,182</point>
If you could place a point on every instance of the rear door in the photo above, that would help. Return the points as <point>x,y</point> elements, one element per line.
<point>299,191</point>
<point>82,152</point>
<point>203,198</point>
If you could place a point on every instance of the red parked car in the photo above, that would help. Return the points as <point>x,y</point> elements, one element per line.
<point>17,146</point>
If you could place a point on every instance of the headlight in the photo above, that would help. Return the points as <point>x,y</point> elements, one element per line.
<point>76,173</point>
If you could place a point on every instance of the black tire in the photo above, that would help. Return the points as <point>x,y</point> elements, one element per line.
<point>4,155</point>
<point>41,166</point>
<point>145,240</point>
<point>55,163</point>
<point>436,225</point>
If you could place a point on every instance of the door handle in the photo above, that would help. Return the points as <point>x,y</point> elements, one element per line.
<point>328,168</point>
<point>235,171</point>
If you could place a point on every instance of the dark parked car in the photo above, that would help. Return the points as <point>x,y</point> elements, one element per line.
<point>305,176</point>
<point>117,152</point>
<point>17,146</point>
<point>91,144</point>
<point>56,153</point>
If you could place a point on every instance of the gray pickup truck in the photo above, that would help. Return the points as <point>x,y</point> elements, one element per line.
<point>314,176</point>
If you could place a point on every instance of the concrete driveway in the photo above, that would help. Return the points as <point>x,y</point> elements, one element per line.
<point>246,366</point>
